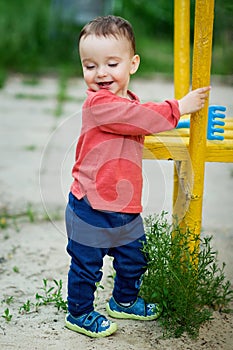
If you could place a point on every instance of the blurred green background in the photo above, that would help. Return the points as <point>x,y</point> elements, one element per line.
<point>40,36</point>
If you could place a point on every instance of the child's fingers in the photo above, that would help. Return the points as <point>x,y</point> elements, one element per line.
<point>203,90</point>
<point>203,93</point>
<point>203,96</point>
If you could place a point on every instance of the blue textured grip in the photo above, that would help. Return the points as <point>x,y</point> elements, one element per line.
<point>213,123</point>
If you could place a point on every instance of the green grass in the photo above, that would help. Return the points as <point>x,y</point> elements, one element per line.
<point>31,80</point>
<point>29,213</point>
<point>49,294</point>
<point>188,292</point>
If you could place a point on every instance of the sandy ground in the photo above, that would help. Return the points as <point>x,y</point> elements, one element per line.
<point>37,150</point>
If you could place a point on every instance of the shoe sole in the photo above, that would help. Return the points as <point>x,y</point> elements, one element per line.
<point>112,329</point>
<point>124,315</point>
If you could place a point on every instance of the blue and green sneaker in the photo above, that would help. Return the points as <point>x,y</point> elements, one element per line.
<point>139,310</point>
<point>92,324</point>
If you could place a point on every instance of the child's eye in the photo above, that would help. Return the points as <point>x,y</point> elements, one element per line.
<point>90,67</point>
<point>112,64</point>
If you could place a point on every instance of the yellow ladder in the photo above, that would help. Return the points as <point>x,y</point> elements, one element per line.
<point>190,149</point>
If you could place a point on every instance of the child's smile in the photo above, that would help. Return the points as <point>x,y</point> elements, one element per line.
<point>105,84</point>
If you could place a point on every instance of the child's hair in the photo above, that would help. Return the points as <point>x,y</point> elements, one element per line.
<point>109,25</point>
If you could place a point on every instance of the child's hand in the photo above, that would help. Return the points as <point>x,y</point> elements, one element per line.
<point>193,101</point>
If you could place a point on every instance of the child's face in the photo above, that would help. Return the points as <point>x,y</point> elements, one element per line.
<point>107,63</point>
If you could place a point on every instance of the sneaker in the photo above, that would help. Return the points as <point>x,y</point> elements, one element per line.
<point>92,324</point>
<point>139,310</point>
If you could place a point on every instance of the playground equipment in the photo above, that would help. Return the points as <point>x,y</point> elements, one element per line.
<point>191,148</point>
<point>214,126</point>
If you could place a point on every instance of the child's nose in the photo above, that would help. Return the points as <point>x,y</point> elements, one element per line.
<point>101,71</point>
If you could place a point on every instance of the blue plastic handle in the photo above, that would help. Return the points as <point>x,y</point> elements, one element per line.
<point>183,123</point>
<point>214,125</point>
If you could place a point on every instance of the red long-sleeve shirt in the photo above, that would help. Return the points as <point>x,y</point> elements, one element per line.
<point>108,162</point>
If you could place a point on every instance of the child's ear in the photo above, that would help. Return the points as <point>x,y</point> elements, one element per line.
<point>135,64</point>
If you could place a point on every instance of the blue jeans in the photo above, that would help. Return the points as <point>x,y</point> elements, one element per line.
<point>129,261</point>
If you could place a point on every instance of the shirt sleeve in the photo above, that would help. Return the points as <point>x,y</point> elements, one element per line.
<point>114,114</point>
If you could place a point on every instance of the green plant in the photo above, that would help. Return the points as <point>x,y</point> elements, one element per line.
<point>16,269</point>
<point>26,307</point>
<point>7,315</point>
<point>187,282</point>
<point>30,148</point>
<point>51,295</point>
<point>30,213</point>
<point>8,300</point>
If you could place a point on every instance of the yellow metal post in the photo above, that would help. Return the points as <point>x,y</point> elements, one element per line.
<point>182,84</point>
<point>181,47</point>
<point>204,16</point>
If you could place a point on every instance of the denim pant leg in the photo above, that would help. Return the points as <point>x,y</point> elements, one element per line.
<point>130,264</point>
<point>85,271</point>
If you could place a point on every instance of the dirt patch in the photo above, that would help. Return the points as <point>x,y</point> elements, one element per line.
<point>38,252</point>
